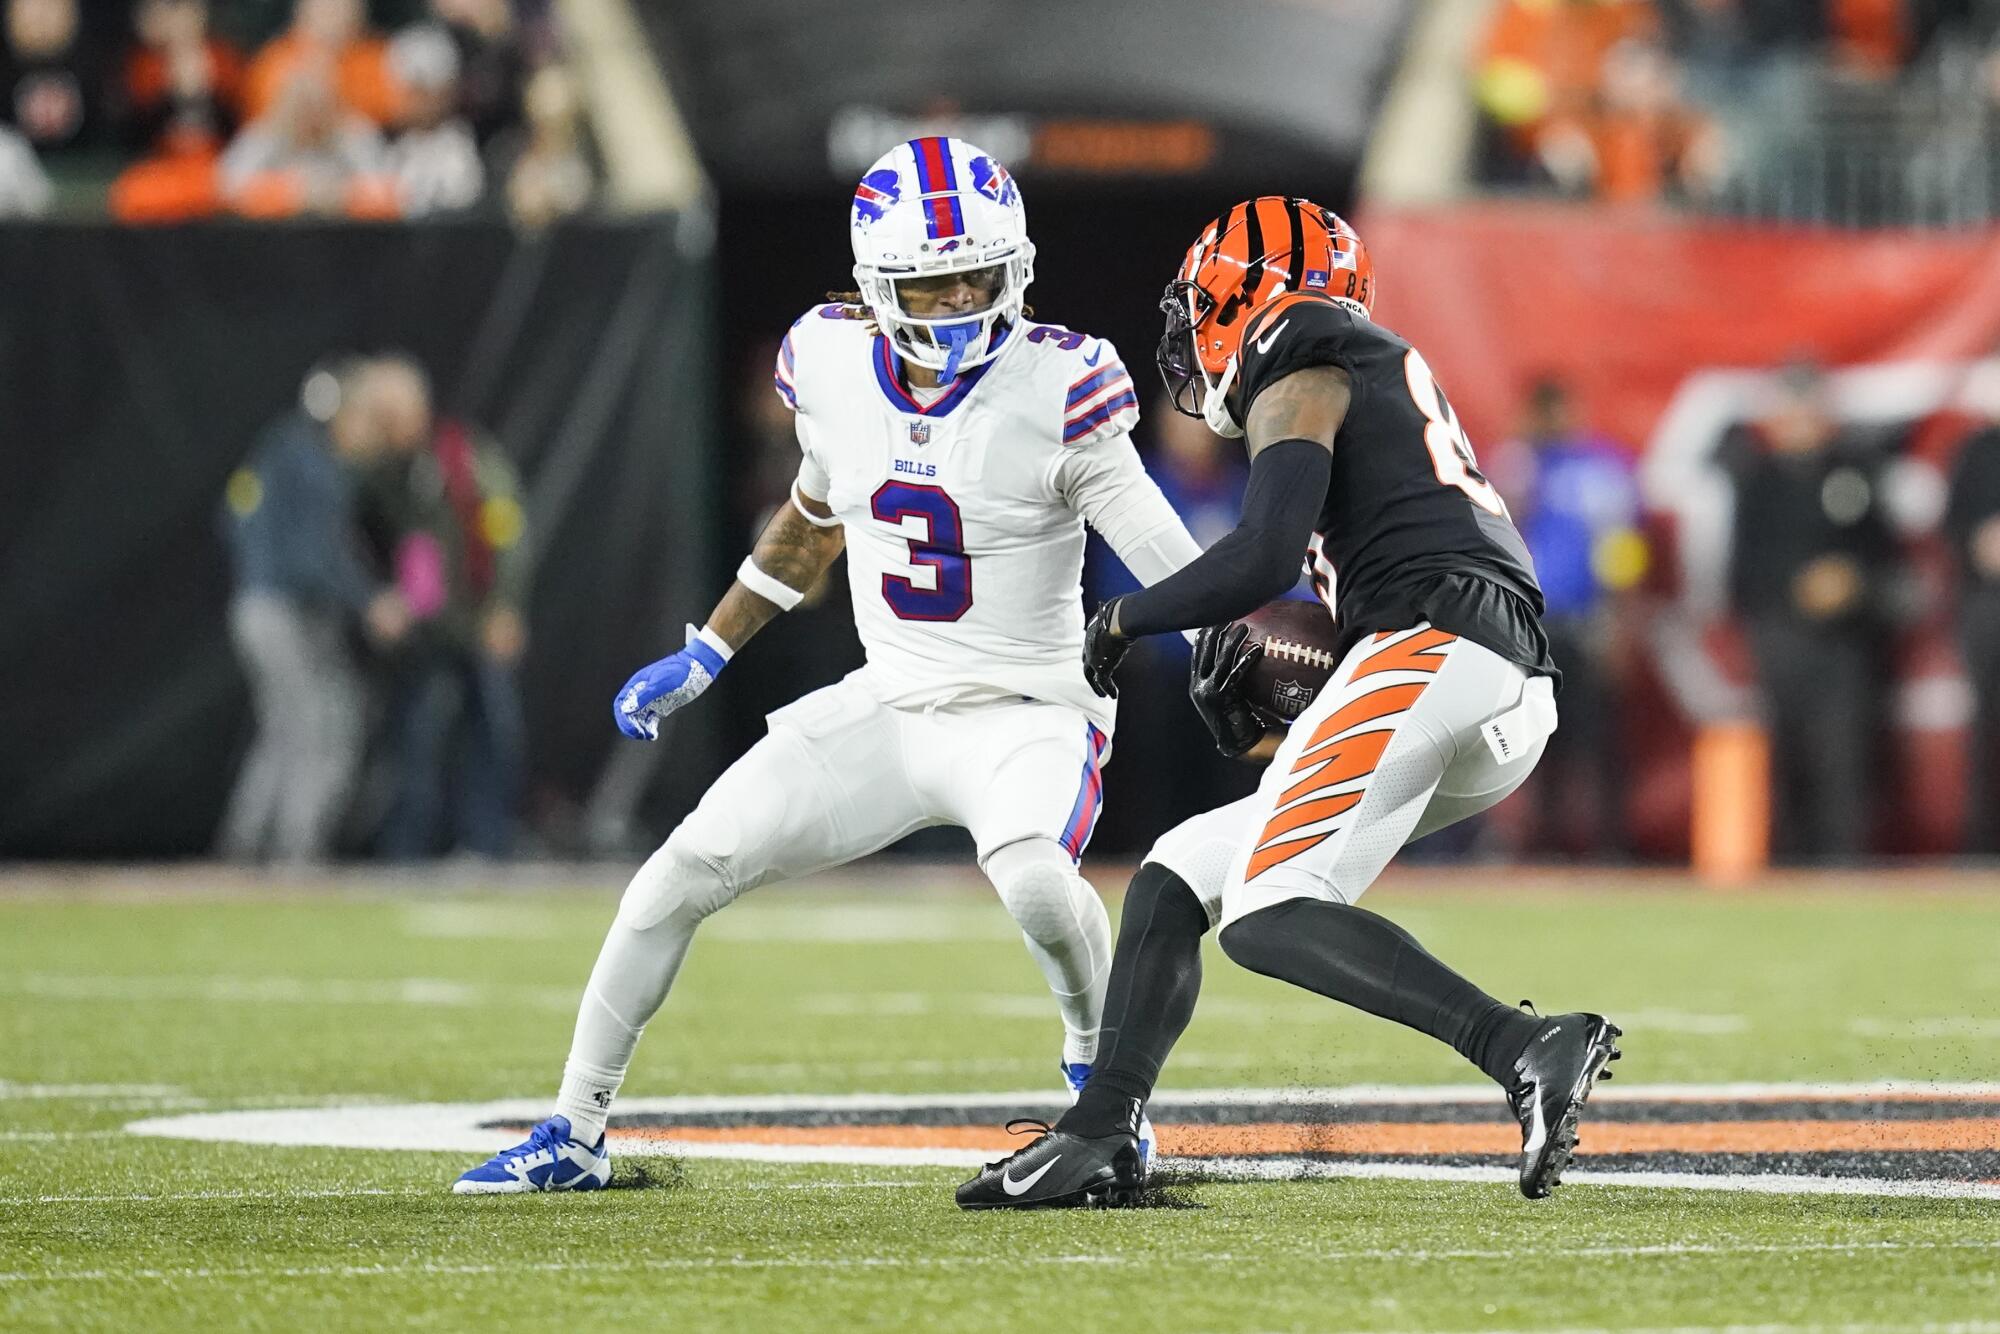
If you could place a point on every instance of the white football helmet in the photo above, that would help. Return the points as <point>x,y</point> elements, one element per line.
<point>932,206</point>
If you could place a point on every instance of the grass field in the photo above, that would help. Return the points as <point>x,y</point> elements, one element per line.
<point>122,1003</point>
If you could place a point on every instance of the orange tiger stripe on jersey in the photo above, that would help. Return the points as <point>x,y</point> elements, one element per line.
<point>1418,653</point>
<point>1356,757</point>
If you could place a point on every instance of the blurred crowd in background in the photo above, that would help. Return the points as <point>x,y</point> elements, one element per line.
<point>171,110</point>
<point>379,605</point>
<point>1852,111</point>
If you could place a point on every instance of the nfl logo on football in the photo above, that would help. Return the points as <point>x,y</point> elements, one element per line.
<point>1291,698</point>
<point>920,433</point>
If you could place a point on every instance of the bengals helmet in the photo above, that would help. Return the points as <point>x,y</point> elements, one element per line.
<point>1256,252</point>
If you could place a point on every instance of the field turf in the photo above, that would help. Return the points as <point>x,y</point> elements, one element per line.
<point>123,999</point>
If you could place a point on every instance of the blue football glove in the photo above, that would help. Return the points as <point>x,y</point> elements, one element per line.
<point>656,691</point>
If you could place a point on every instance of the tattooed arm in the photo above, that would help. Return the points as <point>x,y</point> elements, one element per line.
<point>796,547</point>
<point>1290,437</point>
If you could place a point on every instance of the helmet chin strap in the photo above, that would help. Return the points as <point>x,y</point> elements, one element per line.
<point>1215,403</point>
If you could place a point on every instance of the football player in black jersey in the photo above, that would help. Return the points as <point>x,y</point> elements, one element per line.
<point>1440,707</point>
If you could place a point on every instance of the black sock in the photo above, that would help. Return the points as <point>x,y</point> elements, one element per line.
<point>1354,956</point>
<point>1155,978</point>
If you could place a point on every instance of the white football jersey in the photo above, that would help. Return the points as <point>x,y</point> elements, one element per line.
<point>964,550</point>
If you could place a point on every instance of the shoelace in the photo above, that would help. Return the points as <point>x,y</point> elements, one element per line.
<point>541,1139</point>
<point>1040,1128</point>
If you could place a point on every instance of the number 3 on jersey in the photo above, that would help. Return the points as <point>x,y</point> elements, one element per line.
<point>939,548</point>
<point>1451,452</point>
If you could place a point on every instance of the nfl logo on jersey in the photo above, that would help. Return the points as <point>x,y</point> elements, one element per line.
<point>920,433</point>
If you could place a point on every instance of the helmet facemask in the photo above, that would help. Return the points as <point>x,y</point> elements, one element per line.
<point>1194,391</point>
<point>949,343</point>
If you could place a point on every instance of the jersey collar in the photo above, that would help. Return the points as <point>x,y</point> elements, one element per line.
<point>889,375</point>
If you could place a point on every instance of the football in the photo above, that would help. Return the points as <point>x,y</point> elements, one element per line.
<point>1300,653</point>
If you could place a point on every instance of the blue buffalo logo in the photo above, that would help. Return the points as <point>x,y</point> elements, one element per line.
<point>991,179</point>
<point>877,191</point>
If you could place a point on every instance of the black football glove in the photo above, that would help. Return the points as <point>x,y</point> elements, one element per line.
<point>1103,651</point>
<point>1216,679</point>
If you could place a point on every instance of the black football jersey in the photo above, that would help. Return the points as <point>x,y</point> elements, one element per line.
<point>1410,529</point>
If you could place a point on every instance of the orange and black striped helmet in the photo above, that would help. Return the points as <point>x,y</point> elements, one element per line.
<point>1248,257</point>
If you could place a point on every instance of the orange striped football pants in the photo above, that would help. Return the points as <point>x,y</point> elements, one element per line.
<point>1416,729</point>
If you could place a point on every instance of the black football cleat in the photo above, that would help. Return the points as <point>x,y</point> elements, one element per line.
<point>1553,1077</point>
<point>1060,1171</point>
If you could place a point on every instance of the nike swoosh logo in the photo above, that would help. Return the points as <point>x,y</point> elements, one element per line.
<point>1094,357</point>
<point>1027,1183</point>
<point>1264,343</point>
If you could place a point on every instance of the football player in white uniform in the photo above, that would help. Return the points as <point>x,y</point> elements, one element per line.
<point>956,452</point>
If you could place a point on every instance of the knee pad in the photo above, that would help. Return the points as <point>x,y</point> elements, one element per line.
<point>1250,939</point>
<point>677,881</point>
<point>1200,857</point>
<point>1041,889</point>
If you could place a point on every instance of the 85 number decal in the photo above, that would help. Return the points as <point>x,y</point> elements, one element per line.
<point>939,548</point>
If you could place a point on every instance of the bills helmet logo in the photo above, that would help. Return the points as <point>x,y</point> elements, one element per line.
<point>1289,698</point>
<point>991,179</point>
<point>877,191</point>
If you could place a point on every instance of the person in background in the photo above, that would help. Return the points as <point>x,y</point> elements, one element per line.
<point>1811,561</point>
<point>332,37</point>
<point>549,176</point>
<point>300,585</point>
<point>434,158</point>
<point>445,514</point>
<point>493,63</point>
<point>1576,503</point>
<point>181,101</point>
<point>51,82</point>
<point>308,155</point>
<point>1972,525</point>
<point>25,189</point>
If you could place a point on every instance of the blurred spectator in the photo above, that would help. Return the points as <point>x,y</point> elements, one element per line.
<point>309,155</point>
<point>182,95</point>
<point>51,82</point>
<point>434,159</point>
<point>1972,524</point>
<point>445,512</point>
<point>25,189</point>
<point>548,175</point>
<point>1542,61</point>
<point>300,584</point>
<point>329,36</point>
<point>1635,140</point>
<point>1811,564</point>
<point>1576,503</point>
<point>493,67</point>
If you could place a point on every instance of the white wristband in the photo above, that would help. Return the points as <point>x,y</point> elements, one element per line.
<point>767,588</point>
<point>798,503</point>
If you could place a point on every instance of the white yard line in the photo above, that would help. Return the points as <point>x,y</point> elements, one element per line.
<point>157,1197</point>
<point>829,1263</point>
<point>121,989</point>
<point>44,1091</point>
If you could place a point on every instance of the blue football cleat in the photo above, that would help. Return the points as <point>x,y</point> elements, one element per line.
<point>1076,1075</point>
<point>549,1159</point>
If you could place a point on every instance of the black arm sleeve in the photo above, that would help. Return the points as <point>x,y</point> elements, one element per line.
<point>1256,562</point>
